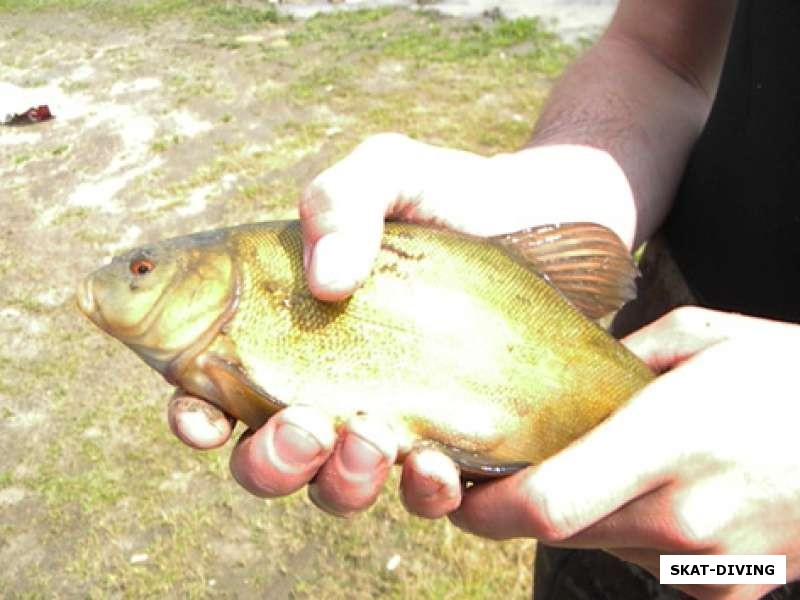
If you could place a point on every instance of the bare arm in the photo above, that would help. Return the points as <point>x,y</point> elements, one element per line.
<point>638,98</point>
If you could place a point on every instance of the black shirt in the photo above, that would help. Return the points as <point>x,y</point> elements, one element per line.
<point>735,227</point>
<point>734,231</point>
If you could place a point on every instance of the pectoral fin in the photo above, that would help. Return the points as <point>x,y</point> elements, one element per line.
<point>237,395</point>
<point>586,262</point>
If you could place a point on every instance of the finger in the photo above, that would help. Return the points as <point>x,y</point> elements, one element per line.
<point>626,456</point>
<point>430,485</point>
<point>500,510</point>
<point>283,455</point>
<point>353,477</point>
<point>341,260</point>
<point>342,213</point>
<point>649,521</point>
<point>198,423</point>
<point>685,331</point>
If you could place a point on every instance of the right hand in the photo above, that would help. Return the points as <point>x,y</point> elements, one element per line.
<point>342,214</point>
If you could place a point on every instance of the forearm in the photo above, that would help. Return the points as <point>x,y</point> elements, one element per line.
<point>633,127</point>
<point>627,115</point>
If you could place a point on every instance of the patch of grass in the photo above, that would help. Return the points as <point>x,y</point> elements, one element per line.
<point>29,5</point>
<point>71,215</point>
<point>59,150</point>
<point>93,236</point>
<point>165,143</point>
<point>423,74</point>
<point>227,14</point>
<point>240,17</point>
<point>322,25</point>
<point>29,305</point>
<point>437,40</point>
<point>92,490</point>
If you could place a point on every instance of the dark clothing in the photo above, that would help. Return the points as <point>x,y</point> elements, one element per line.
<point>562,574</point>
<point>734,232</point>
<point>735,227</point>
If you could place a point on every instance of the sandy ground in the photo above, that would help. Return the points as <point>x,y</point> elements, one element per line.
<point>163,128</point>
<point>570,18</point>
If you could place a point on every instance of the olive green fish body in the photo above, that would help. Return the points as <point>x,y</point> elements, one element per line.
<point>453,340</point>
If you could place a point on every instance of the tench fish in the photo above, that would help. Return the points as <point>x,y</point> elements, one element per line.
<point>479,347</point>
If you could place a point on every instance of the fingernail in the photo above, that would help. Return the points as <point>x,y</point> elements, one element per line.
<point>437,475</point>
<point>369,445</point>
<point>359,457</point>
<point>202,432</point>
<point>294,446</point>
<point>301,436</point>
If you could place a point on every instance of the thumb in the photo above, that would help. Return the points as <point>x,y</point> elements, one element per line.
<point>685,331</point>
<point>342,213</point>
<point>626,456</point>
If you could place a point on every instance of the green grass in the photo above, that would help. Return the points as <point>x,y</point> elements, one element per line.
<point>82,420</point>
<point>227,15</point>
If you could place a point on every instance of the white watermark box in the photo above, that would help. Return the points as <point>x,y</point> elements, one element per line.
<point>721,568</point>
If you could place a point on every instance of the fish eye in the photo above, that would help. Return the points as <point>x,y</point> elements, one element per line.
<point>142,266</point>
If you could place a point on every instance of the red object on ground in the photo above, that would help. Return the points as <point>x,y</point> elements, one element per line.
<point>34,114</point>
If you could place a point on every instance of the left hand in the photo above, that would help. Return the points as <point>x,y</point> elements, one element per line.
<point>706,459</point>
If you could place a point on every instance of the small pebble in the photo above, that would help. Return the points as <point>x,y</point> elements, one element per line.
<point>393,562</point>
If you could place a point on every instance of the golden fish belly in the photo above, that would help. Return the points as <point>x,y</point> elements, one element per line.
<point>450,340</point>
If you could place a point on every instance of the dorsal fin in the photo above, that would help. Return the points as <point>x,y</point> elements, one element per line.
<point>586,262</point>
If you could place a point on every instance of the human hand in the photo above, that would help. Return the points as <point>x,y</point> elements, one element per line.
<point>703,460</point>
<point>342,214</point>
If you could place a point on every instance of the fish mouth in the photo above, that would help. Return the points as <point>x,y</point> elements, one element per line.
<point>87,304</point>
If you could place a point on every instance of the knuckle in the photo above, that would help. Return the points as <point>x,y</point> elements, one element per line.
<point>547,524</point>
<point>315,197</point>
<point>692,530</point>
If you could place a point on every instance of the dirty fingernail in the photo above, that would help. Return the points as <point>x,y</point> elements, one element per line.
<point>201,432</point>
<point>198,423</point>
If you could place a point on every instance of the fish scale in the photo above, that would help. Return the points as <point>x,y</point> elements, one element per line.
<point>453,340</point>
